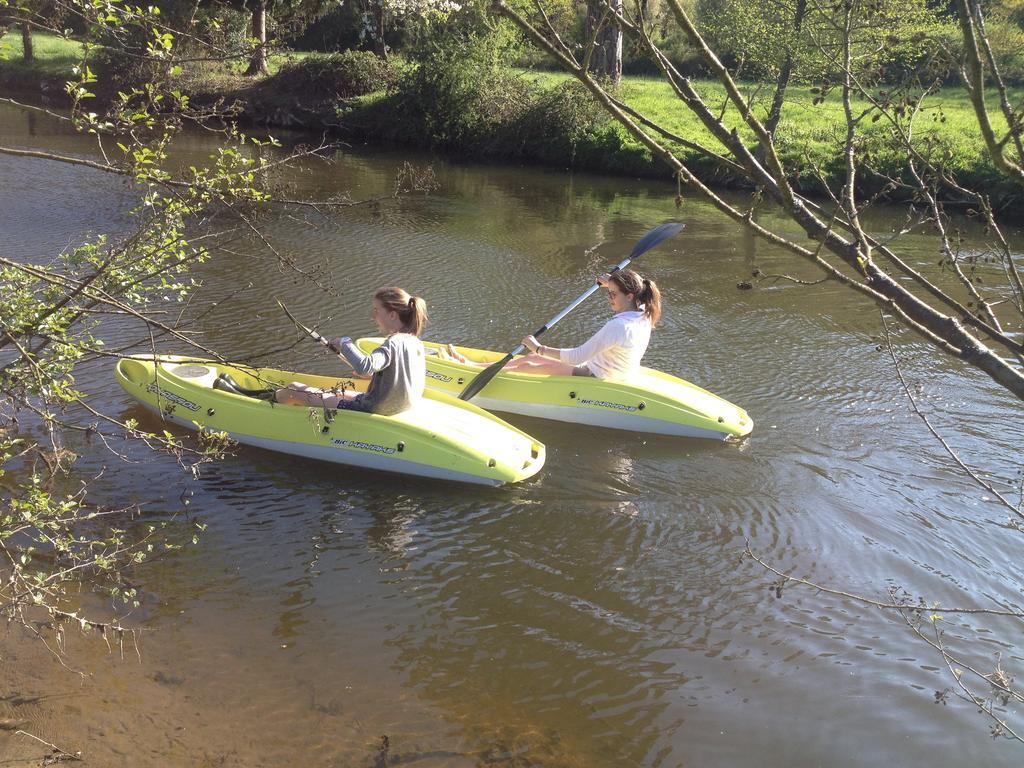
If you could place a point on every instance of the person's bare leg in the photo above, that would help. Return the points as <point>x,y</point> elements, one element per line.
<point>534,363</point>
<point>302,394</point>
<point>458,357</point>
<point>530,363</point>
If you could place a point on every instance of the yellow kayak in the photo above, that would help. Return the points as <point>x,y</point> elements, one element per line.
<point>652,402</point>
<point>442,437</point>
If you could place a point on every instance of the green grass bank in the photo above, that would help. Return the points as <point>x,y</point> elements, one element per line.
<point>457,103</point>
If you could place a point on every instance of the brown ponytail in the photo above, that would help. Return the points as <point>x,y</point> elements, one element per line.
<point>412,310</point>
<point>645,292</point>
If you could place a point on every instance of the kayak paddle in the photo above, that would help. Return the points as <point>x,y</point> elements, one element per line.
<point>644,244</point>
<point>312,334</point>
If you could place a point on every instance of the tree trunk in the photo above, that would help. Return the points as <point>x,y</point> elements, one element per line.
<point>607,57</point>
<point>258,62</point>
<point>27,47</point>
<point>786,72</point>
<point>375,13</point>
<point>381,49</point>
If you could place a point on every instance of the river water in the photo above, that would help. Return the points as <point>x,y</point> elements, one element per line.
<point>598,615</point>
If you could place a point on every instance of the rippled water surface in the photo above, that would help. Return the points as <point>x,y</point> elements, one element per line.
<point>600,614</point>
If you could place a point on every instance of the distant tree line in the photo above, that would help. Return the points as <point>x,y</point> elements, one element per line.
<point>756,40</point>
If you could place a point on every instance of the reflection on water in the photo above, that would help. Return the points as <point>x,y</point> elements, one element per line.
<point>597,615</point>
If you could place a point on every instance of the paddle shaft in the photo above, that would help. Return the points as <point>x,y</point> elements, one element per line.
<point>313,334</point>
<point>309,331</point>
<point>643,245</point>
<point>470,391</point>
<point>579,300</point>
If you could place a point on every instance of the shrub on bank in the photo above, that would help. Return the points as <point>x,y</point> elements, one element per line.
<point>302,93</point>
<point>118,70</point>
<point>335,75</point>
<point>565,125</point>
<point>459,97</point>
<point>456,94</point>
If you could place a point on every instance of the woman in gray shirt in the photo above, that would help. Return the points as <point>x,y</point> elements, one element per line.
<point>396,369</point>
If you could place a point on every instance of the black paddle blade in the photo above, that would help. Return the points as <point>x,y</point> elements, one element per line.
<point>655,236</point>
<point>483,378</point>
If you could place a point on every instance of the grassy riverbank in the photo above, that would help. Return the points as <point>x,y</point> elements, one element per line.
<point>543,117</point>
<point>809,139</point>
<point>56,55</point>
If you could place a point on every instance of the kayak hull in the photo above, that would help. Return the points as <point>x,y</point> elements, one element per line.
<point>651,403</point>
<point>440,438</point>
<point>597,416</point>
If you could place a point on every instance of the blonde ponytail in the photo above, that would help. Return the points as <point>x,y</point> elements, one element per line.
<point>412,310</point>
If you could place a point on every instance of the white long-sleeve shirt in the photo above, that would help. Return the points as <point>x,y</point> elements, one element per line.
<point>615,351</point>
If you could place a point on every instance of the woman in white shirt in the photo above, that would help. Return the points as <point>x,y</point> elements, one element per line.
<point>615,351</point>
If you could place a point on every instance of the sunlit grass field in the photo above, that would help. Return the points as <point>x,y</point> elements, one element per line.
<point>54,55</point>
<point>811,135</point>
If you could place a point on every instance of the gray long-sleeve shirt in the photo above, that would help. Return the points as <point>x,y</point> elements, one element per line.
<point>398,369</point>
